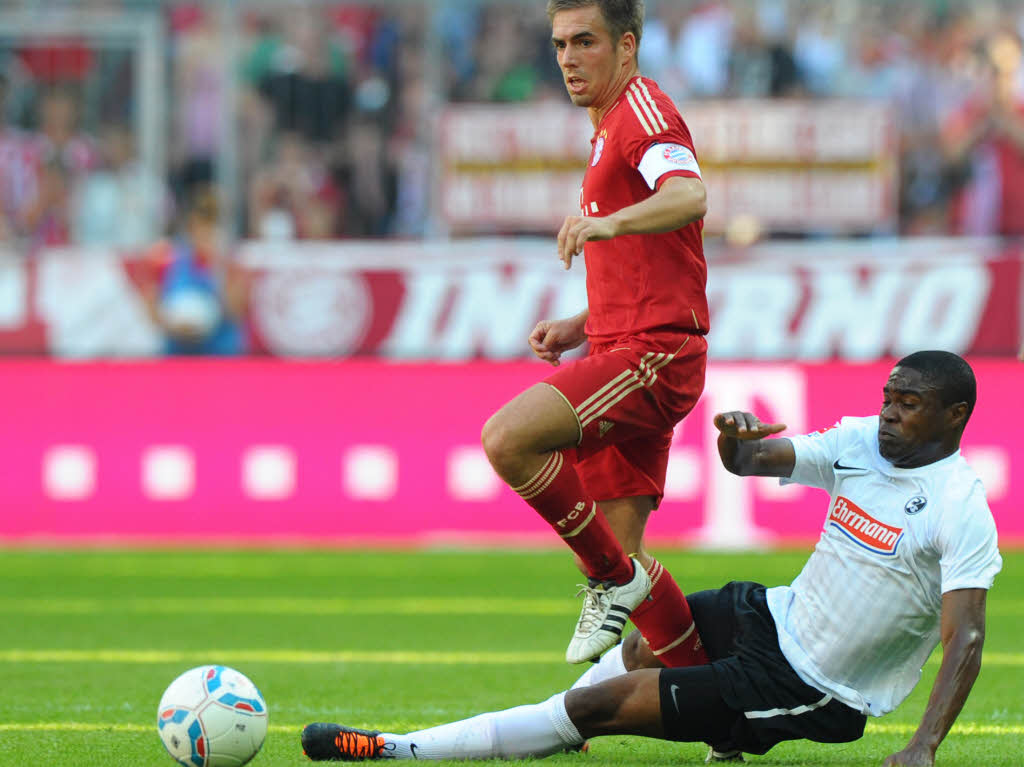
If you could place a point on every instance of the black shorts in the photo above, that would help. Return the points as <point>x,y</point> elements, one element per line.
<point>749,697</point>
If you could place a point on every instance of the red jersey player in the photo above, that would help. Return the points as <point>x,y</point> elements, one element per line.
<point>588,448</point>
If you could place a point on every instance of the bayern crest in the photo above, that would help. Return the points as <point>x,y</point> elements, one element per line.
<point>678,155</point>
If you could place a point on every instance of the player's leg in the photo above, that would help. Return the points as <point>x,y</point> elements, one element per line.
<point>628,478</point>
<point>631,655</point>
<point>627,705</point>
<point>530,443</point>
<point>632,473</point>
<point>664,618</point>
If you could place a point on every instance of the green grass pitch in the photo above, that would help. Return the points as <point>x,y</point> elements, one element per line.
<point>397,640</point>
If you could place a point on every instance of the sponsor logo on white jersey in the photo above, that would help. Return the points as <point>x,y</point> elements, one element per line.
<point>863,529</point>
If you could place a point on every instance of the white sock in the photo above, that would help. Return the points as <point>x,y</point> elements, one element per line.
<point>610,665</point>
<point>538,730</point>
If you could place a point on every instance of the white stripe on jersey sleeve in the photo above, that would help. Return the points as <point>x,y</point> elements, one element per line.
<point>665,158</point>
<point>653,105</point>
<point>639,114</point>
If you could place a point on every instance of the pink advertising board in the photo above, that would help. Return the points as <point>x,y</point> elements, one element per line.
<point>355,452</point>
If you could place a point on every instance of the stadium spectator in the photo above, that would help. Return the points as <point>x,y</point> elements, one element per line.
<point>905,561</point>
<point>294,196</point>
<point>62,156</point>
<point>761,64</point>
<point>588,447</point>
<point>367,174</point>
<point>198,93</point>
<point>194,292</point>
<point>307,79</point>
<point>18,179</point>
<point>984,145</point>
<point>122,204</point>
<point>704,48</point>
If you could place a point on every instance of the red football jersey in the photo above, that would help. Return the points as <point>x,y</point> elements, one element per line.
<point>643,281</point>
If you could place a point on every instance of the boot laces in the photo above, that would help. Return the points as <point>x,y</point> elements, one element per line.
<point>596,601</point>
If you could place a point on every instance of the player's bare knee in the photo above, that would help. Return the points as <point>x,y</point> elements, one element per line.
<point>636,653</point>
<point>498,443</point>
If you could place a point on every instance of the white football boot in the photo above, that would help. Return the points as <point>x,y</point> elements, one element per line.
<point>606,607</point>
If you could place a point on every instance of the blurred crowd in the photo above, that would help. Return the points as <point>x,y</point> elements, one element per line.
<point>951,71</point>
<point>335,103</point>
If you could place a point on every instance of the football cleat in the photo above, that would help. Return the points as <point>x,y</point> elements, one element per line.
<point>326,742</point>
<point>714,756</point>
<point>606,607</point>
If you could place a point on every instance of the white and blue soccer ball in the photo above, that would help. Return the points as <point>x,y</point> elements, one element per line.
<point>212,716</point>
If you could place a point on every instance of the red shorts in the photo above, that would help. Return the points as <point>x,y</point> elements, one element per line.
<point>628,397</point>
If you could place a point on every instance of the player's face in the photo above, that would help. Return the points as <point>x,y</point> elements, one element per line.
<point>912,422</point>
<point>591,63</point>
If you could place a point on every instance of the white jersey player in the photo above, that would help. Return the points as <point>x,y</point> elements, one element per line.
<point>905,560</point>
<point>894,540</point>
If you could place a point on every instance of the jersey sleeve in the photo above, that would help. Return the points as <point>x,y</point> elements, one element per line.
<point>660,146</point>
<point>967,542</point>
<point>815,453</point>
<point>667,159</point>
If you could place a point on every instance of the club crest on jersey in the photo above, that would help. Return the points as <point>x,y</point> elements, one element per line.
<point>863,529</point>
<point>678,154</point>
<point>598,148</point>
<point>916,504</point>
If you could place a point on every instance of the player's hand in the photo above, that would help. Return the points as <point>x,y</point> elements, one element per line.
<point>577,230</point>
<point>740,425</point>
<point>911,756</point>
<point>552,337</point>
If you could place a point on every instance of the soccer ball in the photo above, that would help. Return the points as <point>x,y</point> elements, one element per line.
<point>212,716</point>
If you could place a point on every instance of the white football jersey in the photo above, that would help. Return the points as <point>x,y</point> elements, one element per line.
<point>862,617</point>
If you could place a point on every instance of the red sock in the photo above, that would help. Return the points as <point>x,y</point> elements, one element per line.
<point>558,496</point>
<point>664,620</point>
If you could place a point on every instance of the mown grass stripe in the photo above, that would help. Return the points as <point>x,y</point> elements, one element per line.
<point>873,728</point>
<point>109,727</point>
<point>291,606</point>
<point>395,657</point>
<point>325,606</point>
<point>960,728</point>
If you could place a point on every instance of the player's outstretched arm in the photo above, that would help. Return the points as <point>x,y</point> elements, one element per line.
<point>963,634</point>
<point>745,451</point>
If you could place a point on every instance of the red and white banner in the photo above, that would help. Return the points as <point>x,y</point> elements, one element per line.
<point>794,166</point>
<point>349,452</point>
<point>856,300</point>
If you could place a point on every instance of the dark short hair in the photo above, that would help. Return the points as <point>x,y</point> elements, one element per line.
<point>621,16</point>
<point>949,373</point>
